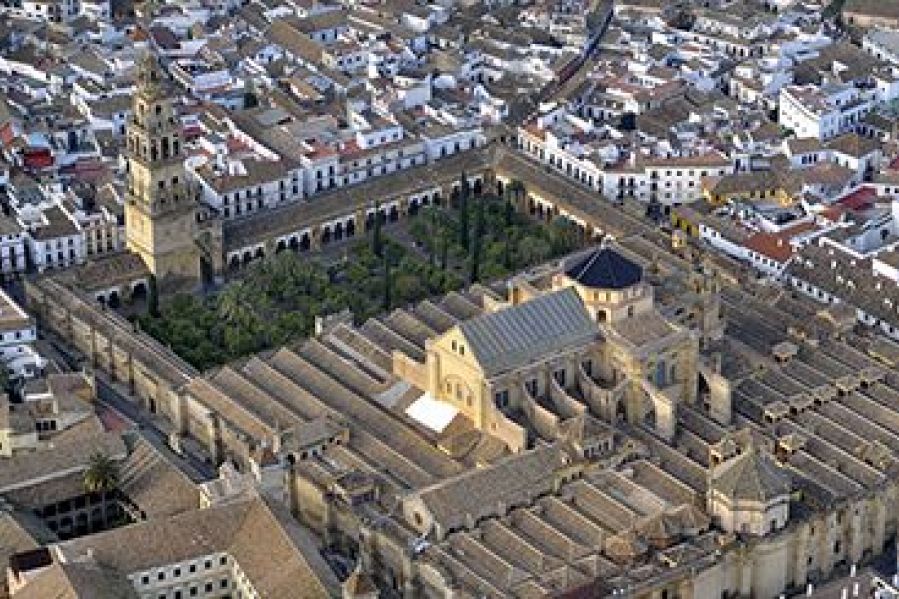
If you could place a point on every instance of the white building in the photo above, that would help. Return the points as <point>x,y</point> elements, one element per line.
<point>882,44</point>
<point>57,11</point>
<point>97,10</point>
<point>668,181</point>
<point>12,247</point>
<point>17,334</point>
<point>822,112</point>
<point>55,240</point>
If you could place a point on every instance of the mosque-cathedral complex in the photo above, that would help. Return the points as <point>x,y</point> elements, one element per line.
<point>632,419</point>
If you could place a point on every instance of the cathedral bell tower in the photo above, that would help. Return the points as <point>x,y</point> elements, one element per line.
<point>162,212</point>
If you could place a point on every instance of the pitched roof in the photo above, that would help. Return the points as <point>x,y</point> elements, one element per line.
<point>479,493</point>
<point>38,467</point>
<point>752,476</point>
<point>605,269</point>
<point>71,581</point>
<point>156,486</point>
<point>513,337</point>
<point>854,145</point>
<point>21,531</point>
<point>274,551</point>
<point>874,8</point>
<point>286,35</point>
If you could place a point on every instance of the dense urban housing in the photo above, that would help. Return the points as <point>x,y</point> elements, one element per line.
<point>553,298</point>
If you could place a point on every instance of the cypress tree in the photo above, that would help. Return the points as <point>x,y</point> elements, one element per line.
<point>444,251</point>
<point>474,273</point>
<point>432,232</point>
<point>387,282</point>
<point>377,244</point>
<point>463,211</point>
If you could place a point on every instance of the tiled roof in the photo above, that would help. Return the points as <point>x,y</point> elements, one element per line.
<point>276,554</point>
<point>605,269</point>
<point>157,487</point>
<point>531,331</point>
<point>480,492</point>
<point>22,471</point>
<point>752,476</point>
<point>72,581</point>
<point>854,145</point>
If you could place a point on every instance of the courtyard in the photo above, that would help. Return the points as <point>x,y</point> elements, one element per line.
<point>275,300</point>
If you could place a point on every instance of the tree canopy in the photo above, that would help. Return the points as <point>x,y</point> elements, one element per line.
<point>276,300</point>
<point>102,474</point>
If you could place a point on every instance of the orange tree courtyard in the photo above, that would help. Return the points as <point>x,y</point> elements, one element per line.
<point>276,300</point>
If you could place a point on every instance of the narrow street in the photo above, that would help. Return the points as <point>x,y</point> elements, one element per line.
<point>109,397</point>
<point>114,408</point>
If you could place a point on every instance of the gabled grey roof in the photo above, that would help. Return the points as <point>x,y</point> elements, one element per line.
<point>528,332</point>
<point>478,493</point>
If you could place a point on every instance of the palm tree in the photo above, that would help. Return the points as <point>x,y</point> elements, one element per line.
<point>236,307</point>
<point>102,474</point>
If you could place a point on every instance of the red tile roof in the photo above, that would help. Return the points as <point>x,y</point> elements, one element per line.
<point>862,197</point>
<point>777,245</point>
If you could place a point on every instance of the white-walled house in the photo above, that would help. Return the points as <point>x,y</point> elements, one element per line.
<point>54,240</point>
<point>17,334</point>
<point>822,112</point>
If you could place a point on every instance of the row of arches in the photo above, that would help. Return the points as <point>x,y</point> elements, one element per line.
<point>477,188</point>
<point>114,297</point>
<point>335,231</point>
<point>238,259</point>
<point>547,212</point>
<point>347,227</point>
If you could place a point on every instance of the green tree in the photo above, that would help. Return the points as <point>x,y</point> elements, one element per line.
<point>508,213</point>
<point>377,243</point>
<point>564,235</point>
<point>387,283</point>
<point>432,232</point>
<point>464,189</point>
<point>518,191</point>
<point>239,341</point>
<point>533,250</point>
<point>102,474</point>
<point>152,297</point>
<point>236,306</point>
<point>408,287</point>
<point>476,243</point>
<point>444,250</point>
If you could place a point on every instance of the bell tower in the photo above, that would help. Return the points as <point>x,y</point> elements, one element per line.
<point>162,213</point>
